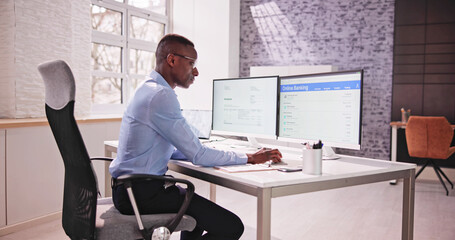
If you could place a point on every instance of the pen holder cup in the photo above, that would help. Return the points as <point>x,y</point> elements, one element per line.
<point>312,161</point>
<point>405,116</point>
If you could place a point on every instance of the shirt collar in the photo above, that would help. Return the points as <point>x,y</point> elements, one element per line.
<point>155,76</point>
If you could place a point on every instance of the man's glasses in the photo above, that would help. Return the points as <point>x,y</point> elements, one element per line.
<point>194,60</point>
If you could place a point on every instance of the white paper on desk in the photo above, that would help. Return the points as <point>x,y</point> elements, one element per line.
<point>244,168</point>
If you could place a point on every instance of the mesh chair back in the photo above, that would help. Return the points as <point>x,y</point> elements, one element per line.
<point>80,189</point>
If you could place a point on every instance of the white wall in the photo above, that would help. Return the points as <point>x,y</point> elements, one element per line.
<point>214,27</point>
<point>35,31</point>
<point>7,67</point>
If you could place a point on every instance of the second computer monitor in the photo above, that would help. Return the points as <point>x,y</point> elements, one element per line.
<point>245,106</point>
<point>326,106</point>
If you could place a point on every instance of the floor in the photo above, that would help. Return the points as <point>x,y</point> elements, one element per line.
<point>371,211</point>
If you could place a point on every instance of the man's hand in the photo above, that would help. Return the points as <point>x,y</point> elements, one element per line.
<point>265,155</point>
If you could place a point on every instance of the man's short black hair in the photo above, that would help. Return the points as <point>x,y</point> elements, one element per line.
<point>165,46</point>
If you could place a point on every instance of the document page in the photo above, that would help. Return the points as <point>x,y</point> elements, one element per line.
<point>245,168</point>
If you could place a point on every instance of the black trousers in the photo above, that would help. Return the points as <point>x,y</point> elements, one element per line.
<point>151,197</point>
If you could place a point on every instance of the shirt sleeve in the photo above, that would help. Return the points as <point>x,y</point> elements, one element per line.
<point>177,155</point>
<point>168,121</point>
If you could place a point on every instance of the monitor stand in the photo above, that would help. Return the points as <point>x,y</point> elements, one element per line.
<point>328,153</point>
<point>252,144</point>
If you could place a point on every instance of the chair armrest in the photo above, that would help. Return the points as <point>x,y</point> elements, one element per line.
<point>102,158</point>
<point>128,179</point>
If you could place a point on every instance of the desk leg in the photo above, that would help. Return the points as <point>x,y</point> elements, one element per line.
<point>107,176</point>
<point>408,207</point>
<point>393,154</point>
<point>212,192</point>
<point>264,214</point>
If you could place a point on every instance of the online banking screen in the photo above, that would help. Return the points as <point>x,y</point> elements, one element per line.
<point>322,106</point>
<point>245,106</point>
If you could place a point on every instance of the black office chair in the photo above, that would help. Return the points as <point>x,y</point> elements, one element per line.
<point>84,216</point>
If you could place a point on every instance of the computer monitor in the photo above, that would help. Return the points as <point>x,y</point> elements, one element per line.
<point>245,107</point>
<point>200,121</point>
<point>324,106</point>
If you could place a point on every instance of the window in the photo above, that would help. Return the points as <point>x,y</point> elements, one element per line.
<point>125,34</point>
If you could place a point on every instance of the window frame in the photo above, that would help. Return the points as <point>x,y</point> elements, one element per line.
<point>126,44</point>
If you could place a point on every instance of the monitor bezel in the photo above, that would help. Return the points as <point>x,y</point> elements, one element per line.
<point>344,145</point>
<point>242,134</point>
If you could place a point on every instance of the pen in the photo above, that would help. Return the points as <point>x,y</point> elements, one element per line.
<point>307,145</point>
<point>318,145</point>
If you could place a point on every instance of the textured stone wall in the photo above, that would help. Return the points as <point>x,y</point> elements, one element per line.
<point>35,31</point>
<point>346,34</point>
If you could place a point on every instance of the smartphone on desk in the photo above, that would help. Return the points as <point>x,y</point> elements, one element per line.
<point>290,169</point>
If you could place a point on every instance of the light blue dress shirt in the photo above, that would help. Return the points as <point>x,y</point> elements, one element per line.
<point>153,128</point>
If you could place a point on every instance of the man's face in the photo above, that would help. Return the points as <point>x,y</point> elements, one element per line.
<point>184,66</point>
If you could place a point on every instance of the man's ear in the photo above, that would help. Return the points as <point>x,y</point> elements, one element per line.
<point>170,60</point>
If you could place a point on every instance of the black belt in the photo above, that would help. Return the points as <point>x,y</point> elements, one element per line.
<point>115,183</point>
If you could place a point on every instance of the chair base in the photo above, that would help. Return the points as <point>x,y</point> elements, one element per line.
<point>438,172</point>
<point>111,224</point>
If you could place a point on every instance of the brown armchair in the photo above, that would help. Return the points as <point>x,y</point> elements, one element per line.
<point>430,138</point>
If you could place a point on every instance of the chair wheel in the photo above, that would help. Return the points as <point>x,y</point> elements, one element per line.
<point>161,233</point>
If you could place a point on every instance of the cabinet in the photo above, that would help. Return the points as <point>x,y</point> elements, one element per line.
<point>32,170</point>
<point>34,173</point>
<point>2,178</point>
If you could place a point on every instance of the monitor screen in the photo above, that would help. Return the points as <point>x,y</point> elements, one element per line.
<point>245,106</point>
<point>325,106</point>
<point>200,121</point>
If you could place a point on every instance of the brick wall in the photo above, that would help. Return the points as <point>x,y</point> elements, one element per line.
<point>346,34</point>
<point>33,32</point>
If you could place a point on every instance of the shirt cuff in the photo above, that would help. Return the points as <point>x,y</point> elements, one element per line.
<point>242,158</point>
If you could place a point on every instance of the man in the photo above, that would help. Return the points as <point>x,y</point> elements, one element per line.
<point>153,130</point>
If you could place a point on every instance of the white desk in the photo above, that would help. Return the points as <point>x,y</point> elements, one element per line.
<point>265,185</point>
